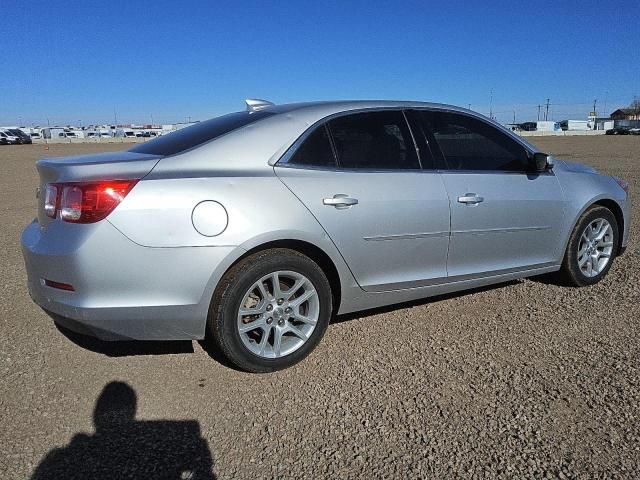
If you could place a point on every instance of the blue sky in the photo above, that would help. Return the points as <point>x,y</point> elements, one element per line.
<point>175,60</point>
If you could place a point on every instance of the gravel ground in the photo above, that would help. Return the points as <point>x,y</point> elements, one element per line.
<point>521,380</point>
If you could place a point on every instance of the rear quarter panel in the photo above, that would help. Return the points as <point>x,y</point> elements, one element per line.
<point>157,213</point>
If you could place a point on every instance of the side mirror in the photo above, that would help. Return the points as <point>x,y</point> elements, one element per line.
<point>542,162</point>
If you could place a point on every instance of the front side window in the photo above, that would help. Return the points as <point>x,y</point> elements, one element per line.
<point>374,140</point>
<point>315,151</point>
<point>468,143</point>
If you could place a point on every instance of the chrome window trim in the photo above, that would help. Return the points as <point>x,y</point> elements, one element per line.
<point>531,173</point>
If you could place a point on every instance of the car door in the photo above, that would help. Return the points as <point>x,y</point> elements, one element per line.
<point>361,177</point>
<point>505,217</point>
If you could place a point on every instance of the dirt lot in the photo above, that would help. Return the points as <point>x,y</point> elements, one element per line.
<point>522,380</point>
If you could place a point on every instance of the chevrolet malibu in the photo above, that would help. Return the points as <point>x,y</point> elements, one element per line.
<point>252,229</point>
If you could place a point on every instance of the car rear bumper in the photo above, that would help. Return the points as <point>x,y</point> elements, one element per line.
<point>122,291</point>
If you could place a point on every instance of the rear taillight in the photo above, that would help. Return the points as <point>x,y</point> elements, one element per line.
<point>85,202</point>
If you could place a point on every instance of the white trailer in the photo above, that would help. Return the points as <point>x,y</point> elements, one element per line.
<point>547,126</point>
<point>575,125</point>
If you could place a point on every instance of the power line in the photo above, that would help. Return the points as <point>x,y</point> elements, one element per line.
<point>546,114</point>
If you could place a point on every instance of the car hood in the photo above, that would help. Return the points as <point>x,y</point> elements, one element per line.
<point>576,167</point>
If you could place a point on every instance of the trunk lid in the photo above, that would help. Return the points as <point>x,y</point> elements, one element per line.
<point>85,168</point>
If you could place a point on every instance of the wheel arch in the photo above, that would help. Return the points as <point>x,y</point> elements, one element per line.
<point>310,250</point>
<point>612,206</point>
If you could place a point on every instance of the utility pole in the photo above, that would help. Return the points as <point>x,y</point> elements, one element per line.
<point>469,107</point>
<point>514,117</point>
<point>491,104</point>
<point>539,107</point>
<point>546,114</point>
<point>595,114</point>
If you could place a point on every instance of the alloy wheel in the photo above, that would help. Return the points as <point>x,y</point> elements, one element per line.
<point>278,314</point>
<point>595,247</point>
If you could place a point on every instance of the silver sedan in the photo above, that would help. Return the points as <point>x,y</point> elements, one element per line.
<point>252,229</point>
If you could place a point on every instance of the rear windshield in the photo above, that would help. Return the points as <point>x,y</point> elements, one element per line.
<point>197,134</point>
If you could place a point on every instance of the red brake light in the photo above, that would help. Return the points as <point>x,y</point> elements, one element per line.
<point>86,202</point>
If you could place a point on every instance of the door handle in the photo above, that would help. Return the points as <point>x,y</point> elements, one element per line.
<point>340,200</point>
<point>470,199</point>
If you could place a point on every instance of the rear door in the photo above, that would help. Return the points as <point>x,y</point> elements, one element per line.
<point>504,216</point>
<point>361,177</point>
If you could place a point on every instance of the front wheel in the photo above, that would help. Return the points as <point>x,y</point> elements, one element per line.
<point>270,310</point>
<point>591,249</point>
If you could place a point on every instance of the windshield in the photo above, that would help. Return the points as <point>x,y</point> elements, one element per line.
<point>200,133</point>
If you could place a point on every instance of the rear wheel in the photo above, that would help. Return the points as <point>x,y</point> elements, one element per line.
<point>270,310</point>
<point>591,249</point>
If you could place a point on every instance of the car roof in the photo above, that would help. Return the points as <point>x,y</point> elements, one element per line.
<point>325,108</point>
<point>312,112</point>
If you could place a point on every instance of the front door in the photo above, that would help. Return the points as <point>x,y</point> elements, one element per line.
<point>504,216</point>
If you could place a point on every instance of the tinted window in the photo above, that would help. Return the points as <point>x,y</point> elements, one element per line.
<point>197,134</point>
<point>315,150</point>
<point>379,140</point>
<point>471,144</point>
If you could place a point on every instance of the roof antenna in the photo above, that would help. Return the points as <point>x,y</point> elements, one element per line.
<point>255,104</point>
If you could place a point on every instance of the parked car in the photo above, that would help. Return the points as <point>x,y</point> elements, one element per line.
<point>35,135</point>
<point>9,138</point>
<point>617,131</point>
<point>252,229</point>
<point>634,131</point>
<point>22,137</point>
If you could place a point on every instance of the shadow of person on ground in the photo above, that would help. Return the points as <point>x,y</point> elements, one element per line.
<point>123,447</point>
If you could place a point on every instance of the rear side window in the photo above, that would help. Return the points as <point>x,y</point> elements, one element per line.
<point>471,144</point>
<point>315,151</point>
<point>377,140</point>
<point>197,134</point>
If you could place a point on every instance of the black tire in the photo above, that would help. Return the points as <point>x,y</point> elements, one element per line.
<point>570,274</point>
<point>222,322</point>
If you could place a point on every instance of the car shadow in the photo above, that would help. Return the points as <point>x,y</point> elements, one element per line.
<point>137,348</point>
<point>123,447</point>
<point>126,348</point>
<point>422,301</point>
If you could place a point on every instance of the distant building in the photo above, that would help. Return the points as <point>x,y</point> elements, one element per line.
<point>626,114</point>
<point>601,123</point>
